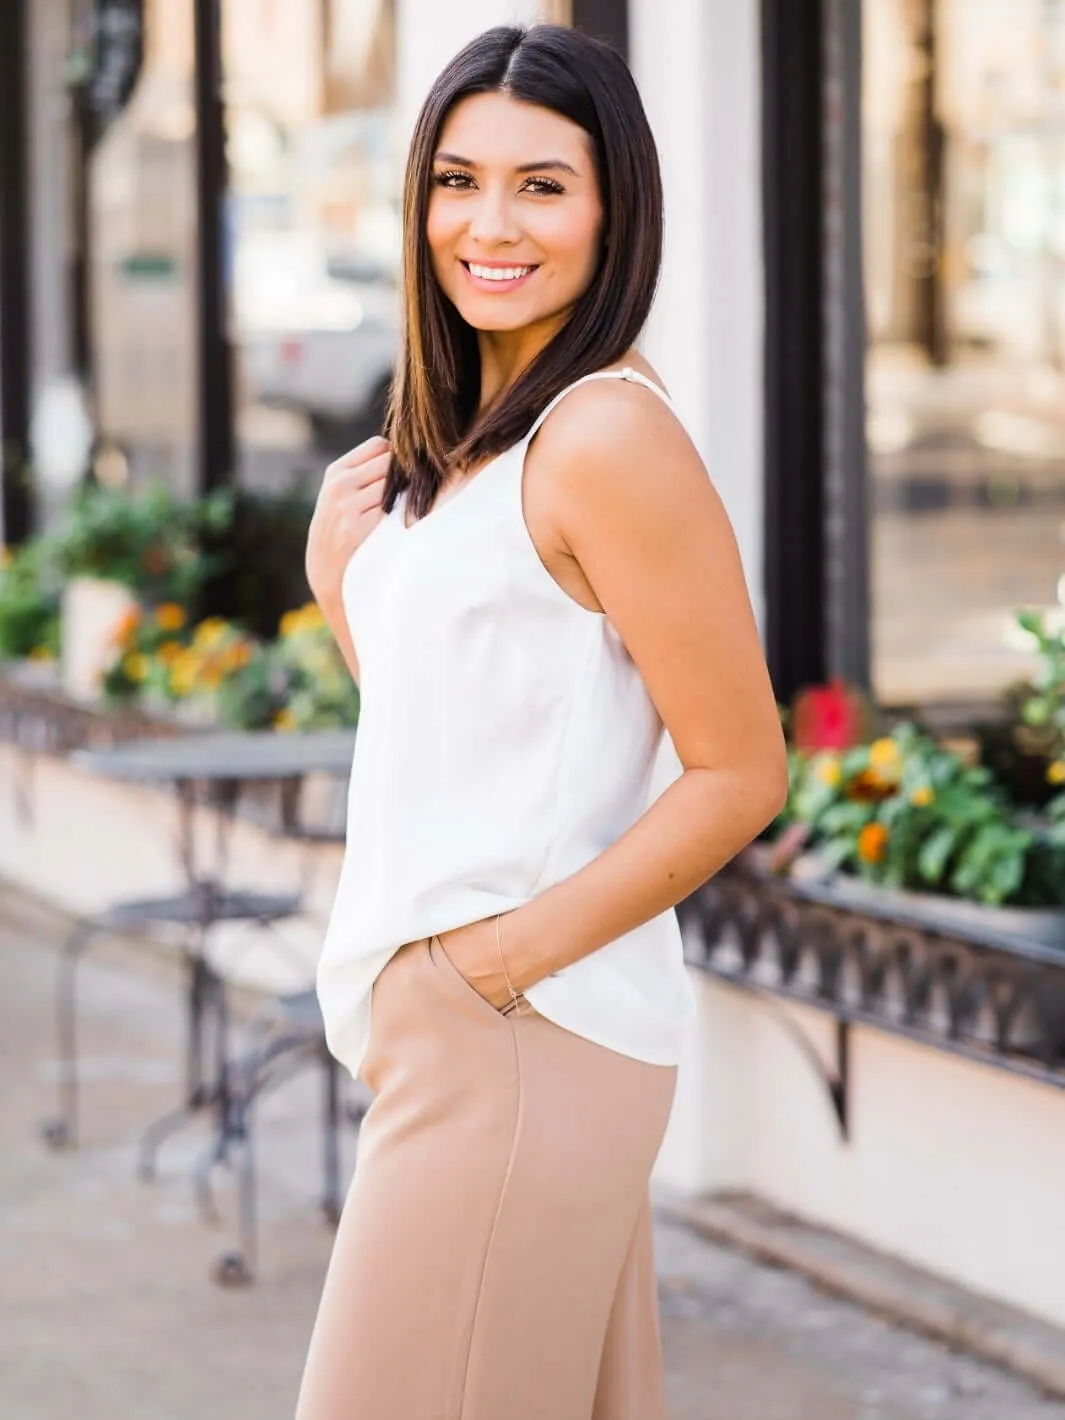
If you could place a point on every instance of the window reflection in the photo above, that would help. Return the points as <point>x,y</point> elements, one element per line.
<point>312,239</point>
<point>143,245</point>
<point>314,175</point>
<point>964,181</point>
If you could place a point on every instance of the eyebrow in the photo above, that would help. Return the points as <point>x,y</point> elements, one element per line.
<point>555,165</point>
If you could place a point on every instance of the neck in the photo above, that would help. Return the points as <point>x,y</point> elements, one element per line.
<point>505,354</point>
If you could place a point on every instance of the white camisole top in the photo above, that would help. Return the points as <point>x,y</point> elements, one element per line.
<point>505,738</point>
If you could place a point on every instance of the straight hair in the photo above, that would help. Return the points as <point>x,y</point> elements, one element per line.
<point>432,422</point>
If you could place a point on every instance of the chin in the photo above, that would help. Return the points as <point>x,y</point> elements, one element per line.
<point>480,318</point>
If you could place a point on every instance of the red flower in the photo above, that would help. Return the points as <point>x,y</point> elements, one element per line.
<point>827,717</point>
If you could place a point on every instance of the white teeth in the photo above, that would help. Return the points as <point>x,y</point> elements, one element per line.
<point>498,273</point>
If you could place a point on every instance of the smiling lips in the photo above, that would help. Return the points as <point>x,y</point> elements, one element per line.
<point>497,278</point>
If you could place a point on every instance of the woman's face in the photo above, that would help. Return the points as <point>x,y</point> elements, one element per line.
<point>514,216</point>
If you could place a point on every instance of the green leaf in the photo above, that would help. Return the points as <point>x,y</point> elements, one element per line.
<point>936,850</point>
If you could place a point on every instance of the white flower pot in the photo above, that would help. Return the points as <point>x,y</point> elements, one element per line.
<point>92,611</point>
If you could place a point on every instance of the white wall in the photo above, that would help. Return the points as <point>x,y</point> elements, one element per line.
<point>954,1166</point>
<point>429,33</point>
<point>698,69</point>
<point>697,64</point>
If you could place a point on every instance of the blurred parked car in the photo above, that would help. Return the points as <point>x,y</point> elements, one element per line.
<point>327,350</point>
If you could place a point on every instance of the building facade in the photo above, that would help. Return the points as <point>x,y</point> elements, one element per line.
<point>860,317</point>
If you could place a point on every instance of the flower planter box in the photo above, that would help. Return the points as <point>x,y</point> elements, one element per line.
<point>1045,925</point>
<point>91,611</point>
<point>985,982</point>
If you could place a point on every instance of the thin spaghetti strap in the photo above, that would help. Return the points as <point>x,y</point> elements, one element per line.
<point>627,373</point>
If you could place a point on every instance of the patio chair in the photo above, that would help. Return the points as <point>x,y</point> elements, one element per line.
<point>284,1039</point>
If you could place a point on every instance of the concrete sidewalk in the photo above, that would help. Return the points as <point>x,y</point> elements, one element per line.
<point>106,1307</point>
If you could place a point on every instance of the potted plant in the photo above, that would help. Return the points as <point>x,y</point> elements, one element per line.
<point>29,603</point>
<point>296,682</point>
<point>120,549</point>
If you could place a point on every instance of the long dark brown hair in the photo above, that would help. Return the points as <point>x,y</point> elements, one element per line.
<point>432,420</point>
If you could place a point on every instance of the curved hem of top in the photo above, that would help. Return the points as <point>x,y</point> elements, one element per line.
<point>666,1057</point>
<point>669,1057</point>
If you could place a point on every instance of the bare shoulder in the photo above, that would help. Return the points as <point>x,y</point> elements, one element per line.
<point>615,448</point>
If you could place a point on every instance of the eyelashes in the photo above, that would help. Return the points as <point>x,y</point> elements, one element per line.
<point>459,181</point>
<point>452,177</point>
<point>544,185</point>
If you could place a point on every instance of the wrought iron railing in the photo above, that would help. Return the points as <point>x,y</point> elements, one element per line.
<point>977,992</point>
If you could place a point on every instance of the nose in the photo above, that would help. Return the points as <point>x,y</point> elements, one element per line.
<point>493,220</point>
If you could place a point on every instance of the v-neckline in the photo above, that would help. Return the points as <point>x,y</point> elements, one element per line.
<point>439,507</point>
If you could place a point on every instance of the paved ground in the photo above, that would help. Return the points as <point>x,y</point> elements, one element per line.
<point>107,1313</point>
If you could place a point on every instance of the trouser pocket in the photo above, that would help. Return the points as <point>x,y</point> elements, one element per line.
<point>458,987</point>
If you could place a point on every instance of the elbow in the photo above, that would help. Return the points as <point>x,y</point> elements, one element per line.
<point>766,790</point>
<point>768,799</point>
<point>778,790</point>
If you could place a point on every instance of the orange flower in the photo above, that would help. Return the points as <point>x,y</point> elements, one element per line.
<point>170,616</point>
<point>872,843</point>
<point>126,626</point>
<point>235,657</point>
<point>168,651</point>
<point>211,673</point>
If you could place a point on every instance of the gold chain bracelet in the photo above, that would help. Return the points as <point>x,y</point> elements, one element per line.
<point>517,999</point>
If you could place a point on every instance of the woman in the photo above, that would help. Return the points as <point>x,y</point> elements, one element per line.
<point>532,580</point>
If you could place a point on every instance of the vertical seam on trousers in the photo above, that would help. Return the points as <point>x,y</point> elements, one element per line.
<point>495,1220</point>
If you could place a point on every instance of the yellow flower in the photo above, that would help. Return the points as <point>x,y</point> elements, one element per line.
<point>305,618</point>
<point>828,770</point>
<point>169,651</point>
<point>923,796</point>
<point>170,616</point>
<point>210,632</point>
<point>41,653</point>
<point>284,720</point>
<point>872,843</point>
<point>1056,772</point>
<point>884,754</point>
<point>6,556</point>
<point>135,666</point>
<point>185,672</point>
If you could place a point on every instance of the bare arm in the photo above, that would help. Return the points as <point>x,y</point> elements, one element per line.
<point>348,508</point>
<point>649,532</point>
<point>333,610</point>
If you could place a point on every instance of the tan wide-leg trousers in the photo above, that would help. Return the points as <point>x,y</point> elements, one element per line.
<point>494,1258</point>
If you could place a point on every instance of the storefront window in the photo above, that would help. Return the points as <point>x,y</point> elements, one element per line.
<point>312,239</point>
<point>314,203</point>
<point>143,244</point>
<point>964,193</point>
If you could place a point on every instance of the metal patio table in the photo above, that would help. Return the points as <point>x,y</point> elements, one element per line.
<point>203,768</point>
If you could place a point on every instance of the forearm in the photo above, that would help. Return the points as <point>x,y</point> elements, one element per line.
<point>696,826</point>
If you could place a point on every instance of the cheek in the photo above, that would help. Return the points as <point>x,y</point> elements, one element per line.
<point>440,228</point>
<point>575,244</point>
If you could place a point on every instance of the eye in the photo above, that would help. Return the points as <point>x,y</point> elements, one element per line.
<point>544,187</point>
<point>453,177</point>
